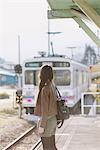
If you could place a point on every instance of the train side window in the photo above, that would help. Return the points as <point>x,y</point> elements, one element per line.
<point>83,77</point>
<point>76,76</point>
<point>80,78</point>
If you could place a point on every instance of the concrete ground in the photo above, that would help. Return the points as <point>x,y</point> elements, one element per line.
<point>79,133</point>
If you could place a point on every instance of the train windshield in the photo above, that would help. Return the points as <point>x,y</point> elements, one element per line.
<point>61,77</point>
<point>31,77</point>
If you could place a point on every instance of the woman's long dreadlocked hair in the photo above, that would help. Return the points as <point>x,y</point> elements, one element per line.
<point>46,76</point>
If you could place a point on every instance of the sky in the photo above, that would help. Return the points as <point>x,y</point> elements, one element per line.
<point>28,19</point>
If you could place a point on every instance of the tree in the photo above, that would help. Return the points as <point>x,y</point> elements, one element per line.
<point>89,56</point>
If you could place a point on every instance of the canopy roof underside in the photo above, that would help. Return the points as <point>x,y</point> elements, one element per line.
<point>78,10</point>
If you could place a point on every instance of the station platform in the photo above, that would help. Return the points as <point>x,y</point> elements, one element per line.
<point>79,133</point>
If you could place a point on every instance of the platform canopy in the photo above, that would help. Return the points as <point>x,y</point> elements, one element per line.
<point>79,10</point>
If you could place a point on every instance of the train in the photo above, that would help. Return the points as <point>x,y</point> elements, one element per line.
<point>7,78</point>
<point>70,77</point>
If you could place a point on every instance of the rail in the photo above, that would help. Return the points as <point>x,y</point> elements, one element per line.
<point>16,141</point>
<point>37,145</point>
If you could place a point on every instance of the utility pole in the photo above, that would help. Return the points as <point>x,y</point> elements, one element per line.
<point>19,75</point>
<point>18,70</point>
<point>72,47</point>
<point>48,37</point>
<point>98,37</point>
<point>52,33</point>
<point>19,81</point>
<point>18,49</point>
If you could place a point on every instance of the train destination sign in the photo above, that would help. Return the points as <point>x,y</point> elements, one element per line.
<point>53,64</point>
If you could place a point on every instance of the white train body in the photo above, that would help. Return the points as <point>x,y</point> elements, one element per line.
<point>71,78</point>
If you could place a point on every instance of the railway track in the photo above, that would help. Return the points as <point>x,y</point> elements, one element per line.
<point>37,145</point>
<point>28,140</point>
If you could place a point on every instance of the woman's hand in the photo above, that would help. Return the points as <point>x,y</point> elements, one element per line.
<point>40,130</point>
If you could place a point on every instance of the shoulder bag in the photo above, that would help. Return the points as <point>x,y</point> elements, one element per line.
<point>62,110</point>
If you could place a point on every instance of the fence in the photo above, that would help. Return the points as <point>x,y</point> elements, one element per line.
<point>90,103</point>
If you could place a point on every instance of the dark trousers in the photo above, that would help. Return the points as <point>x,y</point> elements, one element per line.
<point>48,143</point>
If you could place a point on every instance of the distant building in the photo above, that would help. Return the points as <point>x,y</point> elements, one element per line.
<point>7,78</point>
<point>7,65</point>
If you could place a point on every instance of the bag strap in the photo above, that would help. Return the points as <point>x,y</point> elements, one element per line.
<point>60,123</point>
<point>58,92</point>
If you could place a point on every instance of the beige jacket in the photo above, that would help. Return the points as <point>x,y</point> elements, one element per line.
<point>46,105</point>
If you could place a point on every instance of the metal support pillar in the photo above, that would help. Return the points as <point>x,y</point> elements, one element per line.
<point>89,11</point>
<point>88,31</point>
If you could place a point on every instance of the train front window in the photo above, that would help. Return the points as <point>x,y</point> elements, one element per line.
<point>62,77</point>
<point>31,77</point>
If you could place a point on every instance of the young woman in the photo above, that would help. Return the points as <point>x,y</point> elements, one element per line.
<point>46,108</point>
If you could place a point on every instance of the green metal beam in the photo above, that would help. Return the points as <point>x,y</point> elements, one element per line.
<point>54,14</point>
<point>67,13</point>
<point>87,30</point>
<point>89,11</point>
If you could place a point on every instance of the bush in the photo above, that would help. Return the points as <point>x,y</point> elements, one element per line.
<point>4,95</point>
<point>8,111</point>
